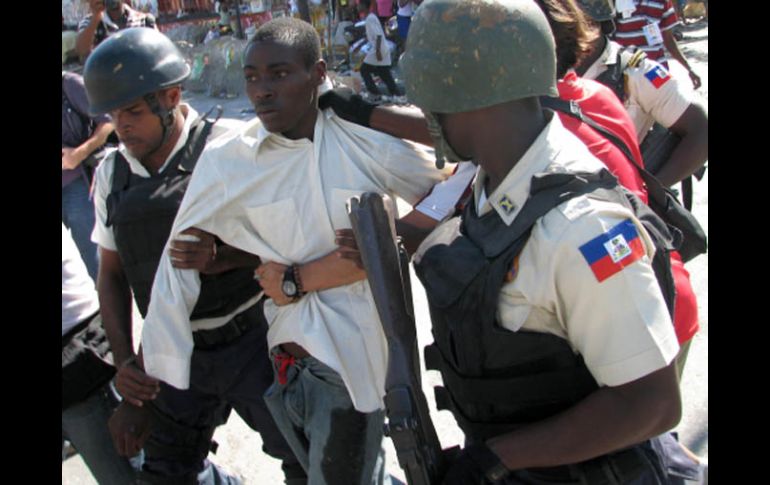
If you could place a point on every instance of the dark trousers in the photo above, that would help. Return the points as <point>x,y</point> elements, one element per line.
<point>231,376</point>
<point>658,461</point>
<point>384,73</point>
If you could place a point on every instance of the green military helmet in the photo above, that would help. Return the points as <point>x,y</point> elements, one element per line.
<point>599,10</point>
<point>463,55</point>
<point>130,64</point>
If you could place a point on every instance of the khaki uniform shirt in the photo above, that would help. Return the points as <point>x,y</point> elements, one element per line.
<point>652,93</point>
<point>619,325</point>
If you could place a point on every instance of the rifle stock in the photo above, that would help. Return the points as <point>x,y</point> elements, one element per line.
<point>409,423</point>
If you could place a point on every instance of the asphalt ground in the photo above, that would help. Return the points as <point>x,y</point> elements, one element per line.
<point>239,446</point>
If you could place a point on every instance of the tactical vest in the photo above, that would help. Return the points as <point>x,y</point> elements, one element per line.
<point>141,212</point>
<point>497,380</point>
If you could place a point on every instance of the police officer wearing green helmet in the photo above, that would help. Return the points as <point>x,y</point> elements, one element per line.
<point>556,348</point>
<point>135,76</point>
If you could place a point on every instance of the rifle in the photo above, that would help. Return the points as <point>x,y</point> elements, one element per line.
<point>409,423</point>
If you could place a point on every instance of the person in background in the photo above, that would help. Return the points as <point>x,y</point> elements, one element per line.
<point>88,399</point>
<point>82,136</point>
<point>106,18</point>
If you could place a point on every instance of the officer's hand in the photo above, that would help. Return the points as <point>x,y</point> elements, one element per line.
<point>348,248</point>
<point>197,251</point>
<point>129,426</point>
<point>70,158</point>
<point>471,465</point>
<point>134,385</point>
<point>270,276</point>
<point>347,105</point>
<point>696,83</point>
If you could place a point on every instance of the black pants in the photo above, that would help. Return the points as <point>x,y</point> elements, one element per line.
<point>384,73</point>
<point>232,376</point>
<point>658,461</point>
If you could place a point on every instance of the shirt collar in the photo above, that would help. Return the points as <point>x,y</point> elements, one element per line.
<point>509,197</point>
<point>190,115</point>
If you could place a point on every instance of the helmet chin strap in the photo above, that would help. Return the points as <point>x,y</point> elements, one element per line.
<point>442,148</point>
<point>166,117</point>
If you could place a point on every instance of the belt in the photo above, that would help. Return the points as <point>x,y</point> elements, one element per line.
<point>232,330</point>
<point>295,350</point>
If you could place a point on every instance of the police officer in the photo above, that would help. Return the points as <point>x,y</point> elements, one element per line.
<point>557,356</point>
<point>650,93</point>
<point>135,76</point>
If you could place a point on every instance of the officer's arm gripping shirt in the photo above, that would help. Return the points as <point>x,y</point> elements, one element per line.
<point>619,325</point>
<point>282,200</point>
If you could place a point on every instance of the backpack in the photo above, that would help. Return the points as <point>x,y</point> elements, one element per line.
<point>660,142</point>
<point>689,237</point>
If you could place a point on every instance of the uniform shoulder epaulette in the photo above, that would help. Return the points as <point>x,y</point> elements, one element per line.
<point>636,58</point>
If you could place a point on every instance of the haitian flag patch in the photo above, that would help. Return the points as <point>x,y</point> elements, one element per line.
<point>612,251</point>
<point>658,76</point>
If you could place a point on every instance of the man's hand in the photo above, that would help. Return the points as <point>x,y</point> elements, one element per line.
<point>134,385</point>
<point>70,158</point>
<point>130,427</point>
<point>270,276</point>
<point>696,82</point>
<point>198,252</point>
<point>348,248</point>
<point>97,8</point>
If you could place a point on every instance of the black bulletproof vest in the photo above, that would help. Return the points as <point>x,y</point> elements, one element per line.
<point>141,212</point>
<point>497,380</point>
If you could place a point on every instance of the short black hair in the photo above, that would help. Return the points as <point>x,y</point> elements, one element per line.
<point>366,3</point>
<point>294,33</point>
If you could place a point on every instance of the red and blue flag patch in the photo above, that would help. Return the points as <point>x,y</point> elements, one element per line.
<point>612,251</point>
<point>658,76</point>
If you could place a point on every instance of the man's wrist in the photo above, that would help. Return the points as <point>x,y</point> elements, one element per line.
<point>128,361</point>
<point>291,286</point>
<point>296,268</point>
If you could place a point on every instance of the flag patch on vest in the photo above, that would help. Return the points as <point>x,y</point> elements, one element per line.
<point>658,76</point>
<point>612,251</point>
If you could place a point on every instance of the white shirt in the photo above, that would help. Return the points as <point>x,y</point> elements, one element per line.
<point>78,295</point>
<point>374,30</point>
<point>621,325</point>
<point>645,102</point>
<point>104,236</point>
<point>282,200</point>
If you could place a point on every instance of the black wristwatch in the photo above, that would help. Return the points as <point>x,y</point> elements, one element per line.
<point>292,286</point>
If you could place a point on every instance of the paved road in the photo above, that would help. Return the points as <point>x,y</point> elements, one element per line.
<point>239,446</point>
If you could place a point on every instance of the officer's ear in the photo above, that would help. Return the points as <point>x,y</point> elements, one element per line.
<point>171,97</point>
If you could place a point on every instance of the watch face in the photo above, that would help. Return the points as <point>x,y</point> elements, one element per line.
<point>289,288</point>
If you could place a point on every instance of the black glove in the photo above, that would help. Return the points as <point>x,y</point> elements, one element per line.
<point>475,465</point>
<point>347,105</point>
